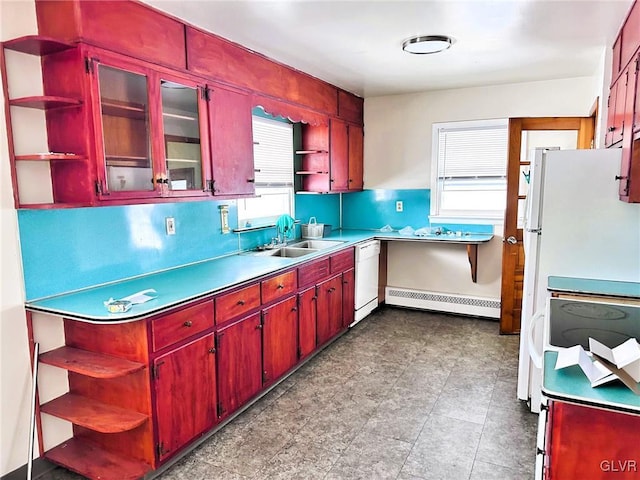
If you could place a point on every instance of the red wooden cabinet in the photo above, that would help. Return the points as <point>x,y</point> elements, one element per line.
<point>356,157</point>
<point>591,443</point>
<point>239,351</point>
<point>279,339</point>
<point>339,156</point>
<point>348,297</point>
<point>616,112</point>
<point>329,319</point>
<point>231,142</point>
<point>185,388</point>
<point>307,313</point>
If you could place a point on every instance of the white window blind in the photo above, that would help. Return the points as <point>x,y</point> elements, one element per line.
<point>469,180</point>
<point>273,152</point>
<point>273,161</point>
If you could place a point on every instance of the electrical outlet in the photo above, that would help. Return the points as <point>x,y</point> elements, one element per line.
<point>170,224</point>
<point>399,206</point>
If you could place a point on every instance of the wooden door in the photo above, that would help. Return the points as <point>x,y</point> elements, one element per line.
<point>231,142</point>
<point>307,303</point>
<point>339,156</point>
<point>239,348</point>
<point>512,251</point>
<point>356,157</point>
<point>279,339</point>
<point>185,387</point>
<point>348,298</point>
<point>329,321</point>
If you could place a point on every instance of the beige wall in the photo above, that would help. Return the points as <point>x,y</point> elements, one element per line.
<point>397,152</point>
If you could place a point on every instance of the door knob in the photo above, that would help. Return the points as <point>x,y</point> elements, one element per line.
<point>512,240</point>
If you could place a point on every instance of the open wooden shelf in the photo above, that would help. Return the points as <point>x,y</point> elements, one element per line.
<point>92,414</point>
<point>37,45</point>
<point>95,365</point>
<point>45,102</point>
<point>93,461</point>
<point>39,157</point>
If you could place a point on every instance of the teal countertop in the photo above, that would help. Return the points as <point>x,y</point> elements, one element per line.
<point>179,285</point>
<point>590,286</point>
<point>571,384</point>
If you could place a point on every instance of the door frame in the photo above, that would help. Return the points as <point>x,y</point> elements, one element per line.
<point>510,290</point>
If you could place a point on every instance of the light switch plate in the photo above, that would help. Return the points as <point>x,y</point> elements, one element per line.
<point>170,225</point>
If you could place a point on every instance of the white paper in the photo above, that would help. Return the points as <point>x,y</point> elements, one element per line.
<point>594,370</point>
<point>625,356</point>
<point>141,297</point>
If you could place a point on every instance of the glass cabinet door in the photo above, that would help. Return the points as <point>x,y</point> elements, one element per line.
<point>182,134</point>
<point>124,103</point>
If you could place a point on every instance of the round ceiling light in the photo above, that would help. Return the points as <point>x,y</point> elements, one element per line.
<point>425,44</point>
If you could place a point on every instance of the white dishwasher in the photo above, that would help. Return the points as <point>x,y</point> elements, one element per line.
<point>366,300</point>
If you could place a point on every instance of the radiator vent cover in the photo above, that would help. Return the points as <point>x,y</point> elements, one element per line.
<point>484,307</point>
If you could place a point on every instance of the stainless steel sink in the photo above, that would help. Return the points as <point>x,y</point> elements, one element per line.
<point>287,252</point>
<point>316,244</point>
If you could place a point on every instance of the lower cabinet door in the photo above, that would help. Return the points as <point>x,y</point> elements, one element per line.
<point>279,339</point>
<point>329,321</point>
<point>307,303</point>
<point>185,387</point>
<point>348,297</point>
<point>239,351</point>
<point>592,443</point>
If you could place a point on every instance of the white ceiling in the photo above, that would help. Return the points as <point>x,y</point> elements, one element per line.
<point>356,45</point>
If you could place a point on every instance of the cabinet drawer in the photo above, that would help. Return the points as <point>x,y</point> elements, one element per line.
<point>342,261</point>
<point>313,272</point>
<point>278,286</point>
<point>237,303</point>
<point>181,324</point>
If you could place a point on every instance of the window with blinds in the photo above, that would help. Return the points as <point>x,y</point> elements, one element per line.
<point>470,174</point>
<point>273,161</point>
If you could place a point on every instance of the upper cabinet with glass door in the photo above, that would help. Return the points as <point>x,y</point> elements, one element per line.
<point>151,134</point>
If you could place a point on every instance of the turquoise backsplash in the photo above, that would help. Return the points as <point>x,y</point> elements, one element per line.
<point>74,248</point>
<point>69,249</point>
<point>373,209</point>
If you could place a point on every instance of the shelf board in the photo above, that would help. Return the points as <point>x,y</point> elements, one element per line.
<point>116,108</point>
<point>311,172</point>
<point>37,45</point>
<point>182,160</point>
<point>39,157</point>
<point>95,365</point>
<point>179,117</point>
<point>93,461</point>
<point>93,415</point>
<point>308,152</point>
<point>45,102</point>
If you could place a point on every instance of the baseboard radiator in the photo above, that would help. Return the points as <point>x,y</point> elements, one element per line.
<point>443,302</point>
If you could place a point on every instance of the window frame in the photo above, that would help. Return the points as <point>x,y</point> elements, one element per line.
<point>436,213</point>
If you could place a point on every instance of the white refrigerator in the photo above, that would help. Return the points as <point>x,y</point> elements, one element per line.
<point>575,226</point>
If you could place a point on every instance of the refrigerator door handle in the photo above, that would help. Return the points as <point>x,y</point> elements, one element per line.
<point>536,357</point>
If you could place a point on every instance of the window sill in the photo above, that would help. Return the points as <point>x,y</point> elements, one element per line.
<point>461,219</point>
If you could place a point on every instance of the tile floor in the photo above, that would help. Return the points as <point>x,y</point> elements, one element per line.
<point>404,395</point>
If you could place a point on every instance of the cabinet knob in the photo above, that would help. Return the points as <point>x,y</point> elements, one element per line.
<point>188,323</point>
<point>314,298</point>
<point>259,326</point>
<point>240,302</point>
<point>212,350</point>
<point>251,180</point>
<point>611,129</point>
<point>618,177</point>
<point>280,286</point>
<point>332,289</point>
<point>294,309</point>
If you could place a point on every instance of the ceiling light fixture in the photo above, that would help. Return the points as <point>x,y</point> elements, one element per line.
<point>425,44</point>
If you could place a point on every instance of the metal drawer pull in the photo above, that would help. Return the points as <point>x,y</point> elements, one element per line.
<point>188,323</point>
<point>240,302</point>
<point>280,286</point>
